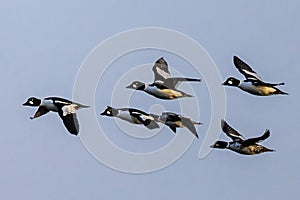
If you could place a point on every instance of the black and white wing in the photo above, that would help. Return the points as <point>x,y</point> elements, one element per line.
<point>252,141</point>
<point>144,118</point>
<point>160,70</point>
<point>68,114</point>
<point>245,69</point>
<point>163,76</point>
<point>230,132</point>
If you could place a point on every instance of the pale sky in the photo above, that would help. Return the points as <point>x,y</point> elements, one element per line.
<point>43,45</point>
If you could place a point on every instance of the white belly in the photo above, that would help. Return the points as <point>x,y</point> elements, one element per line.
<point>164,93</point>
<point>257,90</point>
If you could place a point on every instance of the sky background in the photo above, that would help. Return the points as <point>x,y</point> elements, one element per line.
<point>42,47</point>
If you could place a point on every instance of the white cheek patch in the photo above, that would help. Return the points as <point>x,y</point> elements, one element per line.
<point>134,85</point>
<point>31,102</point>
<point>230,82</point>
<point>108,112</point>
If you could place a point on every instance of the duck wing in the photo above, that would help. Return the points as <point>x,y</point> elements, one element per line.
<point>230,132</point>
<point>252,141</point>
<point>245,69</point>
<point>68,114</point>
<point>41,111</point>
<point>172,83</point>
<point>160,70</point>
<point>189,125</point>
<point>144,118</point>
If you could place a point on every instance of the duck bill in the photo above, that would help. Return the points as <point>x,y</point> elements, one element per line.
<point>25,104</point>
<point>225,83</point>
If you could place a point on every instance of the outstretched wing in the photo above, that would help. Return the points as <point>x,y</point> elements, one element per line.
<point>68,115</point>
<point>71,123</point>
<point>252,141</point>
<point>190,125</point>
<point>172,83</point>
<point>160,70</point>
<point>230,132</point>
<point>41,111</point>
<point>245,69</point>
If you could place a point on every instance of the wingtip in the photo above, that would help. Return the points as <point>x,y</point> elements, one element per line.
<point>271,150</point>
<point>161,60</point>
<point>223,122</point>
<point>235,58</point>
<point>267,133</point>
<point>74,133</point>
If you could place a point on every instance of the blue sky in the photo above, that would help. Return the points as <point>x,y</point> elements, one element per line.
<point>43,45</point>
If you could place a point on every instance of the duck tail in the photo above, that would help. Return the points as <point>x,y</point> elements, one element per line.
<point>187,95</point>
<point>269,150</point>
<point>84,106</point>
<point>280,92</point>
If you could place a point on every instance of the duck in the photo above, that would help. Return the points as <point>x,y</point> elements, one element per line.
<point>174,121</point>
<point>66,110</point>
<point>163,86</point>
<point>131,115</point>
<point>241,145</point>
<point>253,83</point>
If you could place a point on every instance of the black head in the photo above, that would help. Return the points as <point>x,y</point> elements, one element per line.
<point>32,101</point>
<point>220,145</point>
<point>109,111</point>
<point>231,82</point>
<point>136,85</point>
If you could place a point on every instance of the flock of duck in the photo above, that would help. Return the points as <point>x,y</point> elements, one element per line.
<point>164,87</point>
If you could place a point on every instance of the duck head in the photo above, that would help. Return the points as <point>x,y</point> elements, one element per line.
<point>231,82</point>
<point>136,85</point>
<point>32,101</point>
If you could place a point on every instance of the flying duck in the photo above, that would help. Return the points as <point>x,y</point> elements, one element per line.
<point>131,115</point>
<point>241,145</point>
<point>163,86</point>
<point>66,110</point>
<point>174,121</point>
<point>253,83</point>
